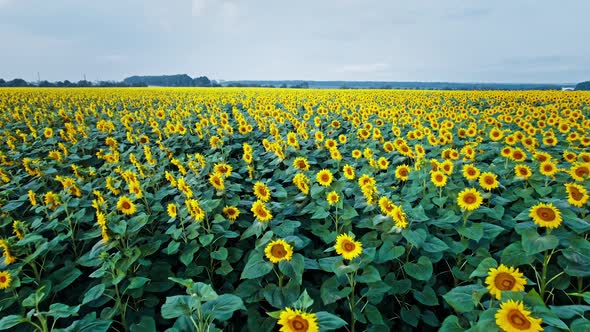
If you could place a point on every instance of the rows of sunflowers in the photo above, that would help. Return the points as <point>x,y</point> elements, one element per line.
<point>293,210</point>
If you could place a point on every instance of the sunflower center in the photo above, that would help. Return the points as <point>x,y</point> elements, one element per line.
<point>517,155</point>
<point>471,172</point>
<point>262,213</point>
<point>325,178</point>
<point>299,324</point>
<point>504,281</point>
<point>581,171</point>
<point>439,178</point>
<point>348,246</point>
<point>518,320</point>
<point>2,279</point>
<point>126,205</point>
<point>489,180</point>
<point>548,168</point>
<point>278,251</point>
<point>576,194</point>
<point>546,214</point>
<point>469,198</point>
<point>523,171</point>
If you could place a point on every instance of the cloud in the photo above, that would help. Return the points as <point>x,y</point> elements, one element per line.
<point>363,68</point>
<point>199,7</point>
<point>469,13</point>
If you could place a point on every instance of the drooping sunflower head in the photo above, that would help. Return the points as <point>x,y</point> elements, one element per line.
<point>513,317</point>
<point>297,321</point>
<point>261,191</point>
<point>278,250</point>
<point>324,177</point>
<point>438,178</point>
<point>469,199</point>
<point>580,171</point>
<point>546,215</point>
<point>347,247</point>
<point>576,194</point>
<point>332,197</point>
<point>488,181</point>
<point>504,278</point>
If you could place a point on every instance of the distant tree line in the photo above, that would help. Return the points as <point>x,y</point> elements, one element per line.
<point>583,86</point>
<point>172,80</point>
<point>19,82</point>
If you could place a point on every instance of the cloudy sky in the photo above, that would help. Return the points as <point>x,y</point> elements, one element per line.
<point>385,40</point>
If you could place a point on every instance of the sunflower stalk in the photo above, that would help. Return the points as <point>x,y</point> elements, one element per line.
<point>351,301</point>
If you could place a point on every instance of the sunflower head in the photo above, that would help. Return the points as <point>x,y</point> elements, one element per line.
<point>301,163</point>
<point>546,215</point>
<point>261,191</point>
<point>260,211</point>
<point>125,205</point>
<point>5,279</point>
<point>522,171</point>
<point>324,177</point>
<point>348,172</point>
<point>512,316</point>
<point>469,199</point>
<point>402,172</point>
<point>504,278</point>
<point>548,168</point>
<point>347,247</point>
<point>278,250</point>
<point>438,178</point>
<point>171,209</point>
<point>488,181</point>
<point>231,213</point>
<point>470,172</point>
<point>297,321</point>
<point>332,197</point>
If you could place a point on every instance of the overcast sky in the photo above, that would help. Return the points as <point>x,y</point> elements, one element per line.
<point>459,41</point>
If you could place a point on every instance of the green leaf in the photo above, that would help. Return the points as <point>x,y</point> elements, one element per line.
<point>569,311</point>
<point>434,245</point>
<point>464,298</point>
<point>10,321</point>
<point>416,238</point>
<point>137,282</point>
<point>220,254</point>
<point>427,296</point>
<point>411,316</point>
<point>532,243</point>
<point>223,307</point>
<point>348,212</point>
<point>206,239</point>
<point>293,268</point>
<point>256,267</point>
<point>188,253</point>
<point>304,301</point>
<point>370,274</point>
<point>60,310</point>
<point>330,293</point>
<point>373,315</point>
<point>483,268</point>
<point>93,293</point>
<point>177,306</point>
<point>421,270</point>
<point>146,324</point>
<point>473,231</point>
<point>328,321</point>
<point>320,213</point>
<point>66,276</point>
<point>514,255</point>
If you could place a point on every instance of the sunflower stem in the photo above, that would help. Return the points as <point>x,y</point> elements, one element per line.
<point>351,301</point>
<point>544,283</point>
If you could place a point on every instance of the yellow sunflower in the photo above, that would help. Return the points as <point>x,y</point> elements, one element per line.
<point>488,181</point>
<point>383,163</point>
<point>223,169</point>
<point>469,199</point>
<point>261,191</point>
<point>333,197</point>
<point>347,247</point>
<point>513,317</point>
<point>580,171</point>
<point>402,172</point>
<point>548,168</point>
<point>324,177</point>
<point>231,212</point>
<point>278,250</point>
<point>522,171</point>
<point>260,211</point>
<point>438,178</point>
<point>348,172</point>
<point>171,208</point>
<point>546,215</point>
<point>504,278</point>
<point>470,172</point>
<point>301,163</point>
<point>217,181</point>
<point>447,167</point>
<point>5,279</point>
<point>399,217</point>
<point>297,321</point>
<point>125,205</point>
<point>32,197</point>
<point>576,194</point>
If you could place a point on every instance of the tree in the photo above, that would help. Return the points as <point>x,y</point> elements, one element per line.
<point>583,86</point>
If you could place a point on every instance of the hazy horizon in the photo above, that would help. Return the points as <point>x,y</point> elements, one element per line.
<point>423,41</point>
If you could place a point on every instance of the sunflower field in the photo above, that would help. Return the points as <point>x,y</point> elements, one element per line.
<point>168,209</point>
